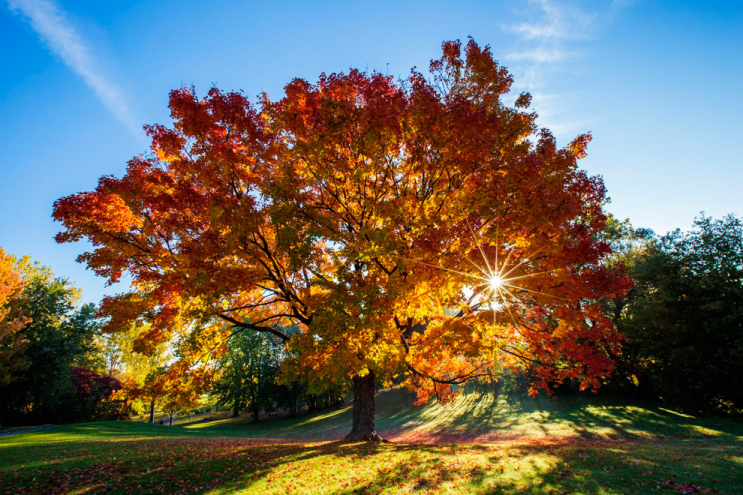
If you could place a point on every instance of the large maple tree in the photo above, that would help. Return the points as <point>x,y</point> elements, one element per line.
<point>420,227</point>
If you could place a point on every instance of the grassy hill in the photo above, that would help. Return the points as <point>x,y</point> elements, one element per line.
<point>508,444</point>
<point>476,418</point>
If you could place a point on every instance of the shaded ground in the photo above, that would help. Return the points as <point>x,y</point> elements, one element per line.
<point>486,418</point>
<point>537,447</point>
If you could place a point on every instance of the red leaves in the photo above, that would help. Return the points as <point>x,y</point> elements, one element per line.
<point>523,101</point>
<point>353,203</point>
<point>685,489</point>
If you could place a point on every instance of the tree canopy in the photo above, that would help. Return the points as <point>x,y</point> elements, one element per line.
<point>683,319</point>
<point>248,373</point>
<point>420,226</point>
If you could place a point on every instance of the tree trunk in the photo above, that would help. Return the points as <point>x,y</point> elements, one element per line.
<point>236,412</point>
<point>293,402</point>
<point>152,411</point>
<point>363,410</point>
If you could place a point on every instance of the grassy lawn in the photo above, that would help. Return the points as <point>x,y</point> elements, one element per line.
<point>478,445</point>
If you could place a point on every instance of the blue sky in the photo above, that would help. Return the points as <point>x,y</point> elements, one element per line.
<point>658,83</point>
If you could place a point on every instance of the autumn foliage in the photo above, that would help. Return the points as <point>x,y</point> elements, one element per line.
<point>11,318</point>
<point>97,397</point>
<point>372,214</point>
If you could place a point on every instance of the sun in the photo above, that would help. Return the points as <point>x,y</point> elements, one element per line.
<point>496,282</point>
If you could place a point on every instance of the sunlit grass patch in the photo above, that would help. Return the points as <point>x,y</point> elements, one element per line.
<point>102,459</point>
<point>543,446</point>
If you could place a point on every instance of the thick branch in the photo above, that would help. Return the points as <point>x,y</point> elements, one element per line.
<point>257,328</point>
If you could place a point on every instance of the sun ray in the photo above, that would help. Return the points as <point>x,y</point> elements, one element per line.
<point>442,268</point>
<point>532,274</point>
<point>505,264</point>
<point>494,284</point>
<point>524,260</point>
<point>479,246</point>
<point>535,291</point>
<point>475,265</point>
<point>513,318</point>
<point>497,244</point>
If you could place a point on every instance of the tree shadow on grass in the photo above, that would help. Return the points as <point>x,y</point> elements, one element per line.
<point>225,465</point>
<point>582,467</point>
<point>611,418</point>
<point>562,445</point>
<point>488,418</point>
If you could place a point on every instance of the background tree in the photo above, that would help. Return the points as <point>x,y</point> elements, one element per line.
<point>12,320</point>
<point>180,393</point>
<point>149,390</point>
<point>422,227</point>
<point>57,336</point>
<point>95,398</point>
<point>141,373</point>
<point>628,245</point>
<point>683,320</point>
<point>248,373</point>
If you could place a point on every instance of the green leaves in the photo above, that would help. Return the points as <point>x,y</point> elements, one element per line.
<point>59,336</point>
<point>684,318</point>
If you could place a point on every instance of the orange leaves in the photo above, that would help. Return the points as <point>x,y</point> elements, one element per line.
<point>11,318</point>
<point>578,145</point>
<point>11,286</point>
<point>368,214</point>
<point>90,212</point>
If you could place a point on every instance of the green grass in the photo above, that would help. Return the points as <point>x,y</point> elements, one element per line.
<point>478,445</point>
<point>476,418</point>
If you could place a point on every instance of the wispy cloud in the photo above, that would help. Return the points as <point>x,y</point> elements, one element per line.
<point>557,21</point>
<point>543,55</point>
<point>552,37</point>
<point>54,28</point>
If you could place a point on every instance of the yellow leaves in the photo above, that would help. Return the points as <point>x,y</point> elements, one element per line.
<point>165,156</point>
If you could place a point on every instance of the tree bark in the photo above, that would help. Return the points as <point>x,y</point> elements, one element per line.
<point>363,410</point>
<point>152,411</point>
